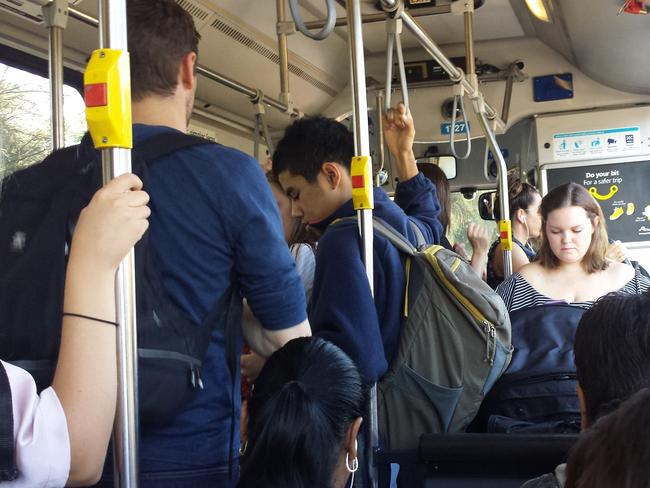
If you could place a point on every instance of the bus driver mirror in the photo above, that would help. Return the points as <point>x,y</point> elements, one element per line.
<point>446,163</point>
<point>486,203</point>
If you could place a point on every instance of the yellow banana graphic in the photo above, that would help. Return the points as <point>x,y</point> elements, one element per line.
<point>612,191</point>
<point>630,208</point>
<point>618,211</point>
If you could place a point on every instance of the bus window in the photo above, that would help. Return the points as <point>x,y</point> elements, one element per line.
<point>25,118</point>
<point>464,211</point>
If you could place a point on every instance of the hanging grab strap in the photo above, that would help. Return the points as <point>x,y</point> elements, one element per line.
<point>459,96</point>
<point>300,25</point>
<point>260,124</point>
<point>393,38</point>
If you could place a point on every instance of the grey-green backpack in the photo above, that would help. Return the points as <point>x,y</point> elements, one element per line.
<point>454,345</point>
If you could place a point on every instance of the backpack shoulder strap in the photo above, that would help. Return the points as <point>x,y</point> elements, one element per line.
<point>8,469</point>
<point>388,232</point>
<point>419,236</point>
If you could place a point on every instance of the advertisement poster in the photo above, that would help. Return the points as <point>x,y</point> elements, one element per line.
<point>622,190</point>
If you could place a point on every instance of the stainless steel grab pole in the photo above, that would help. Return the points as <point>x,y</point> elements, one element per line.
<point>117,161</point>
<point>362,148</point>
<point>502,182</point>
<point>56,15</point>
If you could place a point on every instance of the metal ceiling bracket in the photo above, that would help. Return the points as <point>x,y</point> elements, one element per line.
<point>55,14</point>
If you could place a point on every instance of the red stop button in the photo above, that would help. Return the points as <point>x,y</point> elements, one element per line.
<point>95,95</point>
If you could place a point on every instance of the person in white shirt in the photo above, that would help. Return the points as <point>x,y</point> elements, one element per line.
<point>61,436</point>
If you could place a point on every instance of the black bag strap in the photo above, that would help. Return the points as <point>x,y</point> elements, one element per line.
<point>8,471</point>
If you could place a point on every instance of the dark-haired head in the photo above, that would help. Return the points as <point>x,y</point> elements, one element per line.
<point>161,34</point>
<point>573,196</point>
<point>295,230</point>
<point>612,352</point>
<point>615,452</point>
<point>310,142</point>
<point>439,179</point>
<point>305,413</point>
<point>521,196</point>
<point>312,163</point>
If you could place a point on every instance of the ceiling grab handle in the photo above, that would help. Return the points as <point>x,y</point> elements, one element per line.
<point>260,125</point>
<point>459,93</point>
<point>300,25</point>
<point>394,41</point>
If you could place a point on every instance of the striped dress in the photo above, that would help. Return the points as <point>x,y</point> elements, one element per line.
<point>517,293</point>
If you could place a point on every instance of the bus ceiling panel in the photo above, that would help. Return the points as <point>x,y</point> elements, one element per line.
<point>21,33</point>
<point>253,23</point>
<point>609,47</point>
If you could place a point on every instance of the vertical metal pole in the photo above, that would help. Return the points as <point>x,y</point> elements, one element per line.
<point>470,62</point>
<point>362,148</point>
<point>55,15</point>
<point>491,140</point>
<point>379,106</point>
<point>283,52</point>
<point>56,85</point>
<point>502,183</point>
<point>125,433</point>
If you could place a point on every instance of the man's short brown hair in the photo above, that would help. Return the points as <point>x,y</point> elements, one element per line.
<point>160,33</point>
<point>574,195</point>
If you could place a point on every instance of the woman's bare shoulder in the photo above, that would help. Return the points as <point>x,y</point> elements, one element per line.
<point>531,271</point>
<point>619,273</point>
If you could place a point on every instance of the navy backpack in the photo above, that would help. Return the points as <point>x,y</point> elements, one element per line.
<point>537,393</point>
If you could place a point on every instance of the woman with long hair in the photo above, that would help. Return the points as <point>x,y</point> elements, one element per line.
<point>304,417</point>
<point>476,234</point>
<point>572,264</point>
<point>524,201</point>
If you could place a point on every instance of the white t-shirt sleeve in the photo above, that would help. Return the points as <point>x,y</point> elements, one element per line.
<point>41,437</point>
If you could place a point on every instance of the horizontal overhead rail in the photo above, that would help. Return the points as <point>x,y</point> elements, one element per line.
<point>380,17</point>
<point>241,88</point>
<point>212,75</point>
<point>86,19</point>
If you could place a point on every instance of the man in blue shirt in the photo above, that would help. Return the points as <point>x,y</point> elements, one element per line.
<point>213,216</point>
<point>312,163</point>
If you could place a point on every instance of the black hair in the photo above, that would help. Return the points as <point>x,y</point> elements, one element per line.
<point>310,142</point>
<point>303,402</point>
<point>521,195</point>
<point>615,451</point>
<point>160,33</point>
<point>301,233</point>
<point>612,351</point>
<point>438,177</point>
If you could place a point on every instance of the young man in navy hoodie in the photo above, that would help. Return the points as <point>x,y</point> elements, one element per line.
<point>312,163</point>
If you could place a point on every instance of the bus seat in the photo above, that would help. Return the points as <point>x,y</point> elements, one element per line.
<point>479,460</point>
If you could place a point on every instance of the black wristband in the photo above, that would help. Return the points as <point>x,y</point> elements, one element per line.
<point>95,319</point>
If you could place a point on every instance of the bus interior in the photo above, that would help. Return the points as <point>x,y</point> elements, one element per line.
<point>562,83</point>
